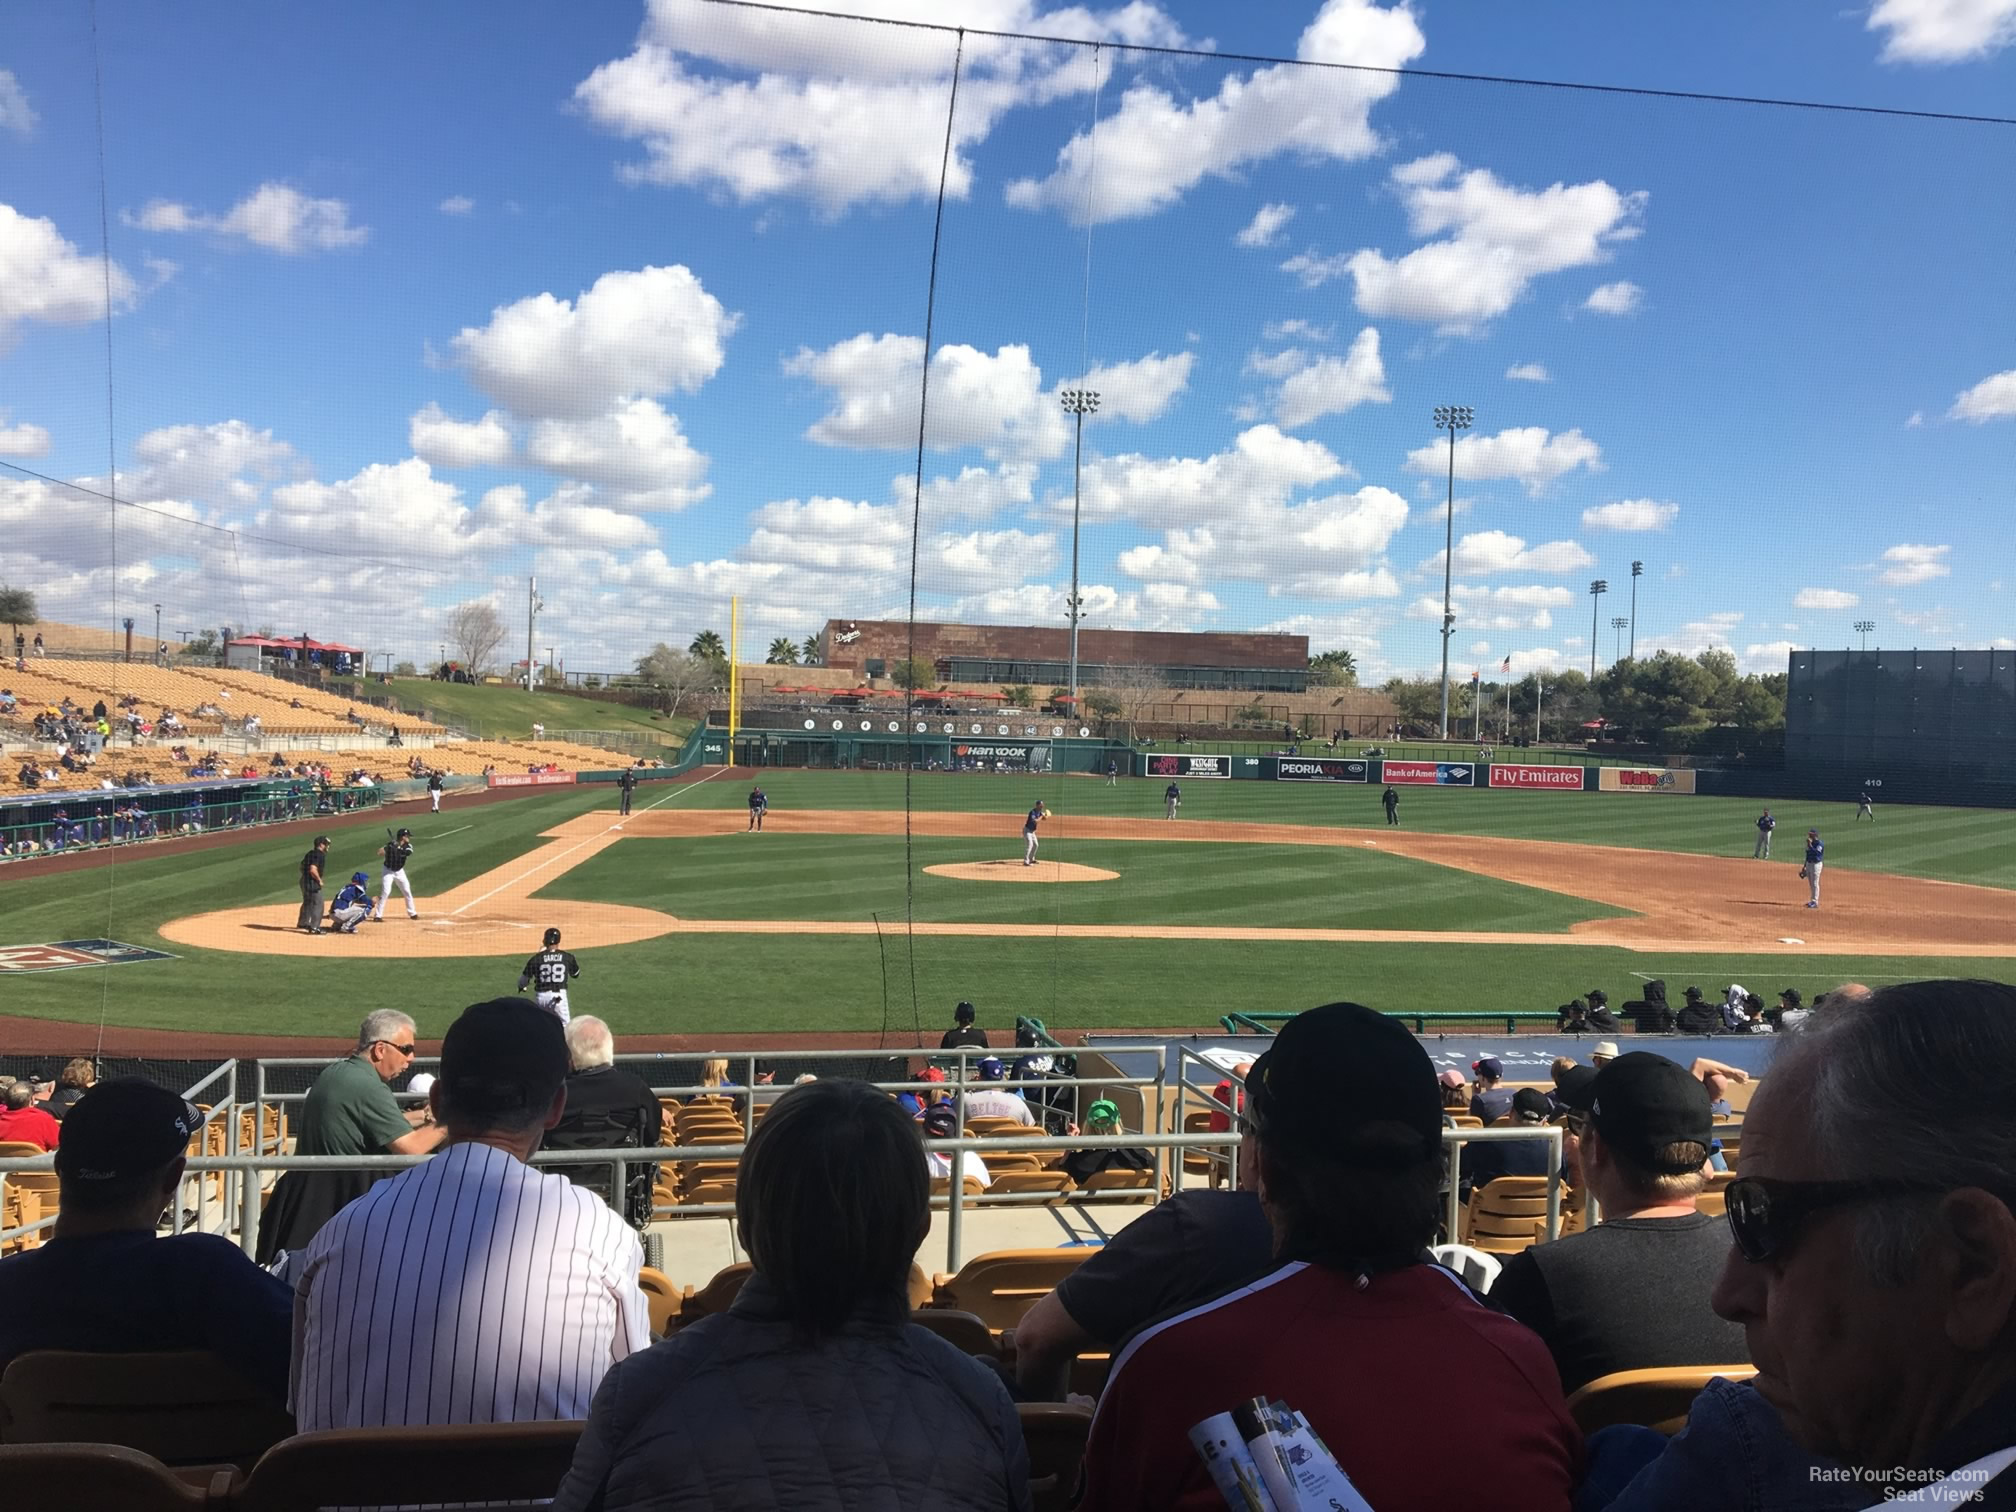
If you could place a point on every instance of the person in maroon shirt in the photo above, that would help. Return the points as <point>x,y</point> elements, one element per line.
<point>25,1121</point>
<point>1354,1327</point>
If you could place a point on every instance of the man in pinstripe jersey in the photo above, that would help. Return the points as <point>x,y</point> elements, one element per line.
<point>473,1288</point>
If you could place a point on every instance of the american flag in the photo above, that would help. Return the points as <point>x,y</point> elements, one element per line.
<point>1506,666</point>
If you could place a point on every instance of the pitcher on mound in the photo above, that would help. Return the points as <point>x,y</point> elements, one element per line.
<point>1036,816</point>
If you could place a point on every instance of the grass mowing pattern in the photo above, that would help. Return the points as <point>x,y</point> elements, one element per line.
<point>509,713</point>
<point>724,984</point>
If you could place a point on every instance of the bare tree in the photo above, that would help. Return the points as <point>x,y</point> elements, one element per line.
<point>1132,689</point>
<point>678,676</point>
<point>475,631</point>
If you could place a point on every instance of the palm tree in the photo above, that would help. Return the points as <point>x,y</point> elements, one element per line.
<point>810,651</point>
<point>783,652</point>
<point>707,645</point>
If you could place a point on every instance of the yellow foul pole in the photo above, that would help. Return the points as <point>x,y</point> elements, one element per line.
<point>734,672</point>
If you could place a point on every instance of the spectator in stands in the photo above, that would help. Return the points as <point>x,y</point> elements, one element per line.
<point>608,1108</point>
<point>1651,1013</point>
<point>1601,1020</point>
<point>1560,1067</point>
<point>1102,1118</point>
<point>1874,1266</point>
<point>992,1099</point>
<point>26,1121</point>
<point>8,703</point>
<point>1352,1327</point>
<point>1696,1015</point>
<point>1489,1101</point>
<point>914,1103</point>
<point>1455,1092</point>
<point>28,776</point>
<point>1572,1017</point>
<point>1602,1053</point>
<point>962,1031</point>
<point>104,1284</point>
<point>471,1288</point>
<point>75,1079</point>
<point>1632,1292</point>
<point>349,1111</point>
<point>941,1121</point>
<point>1483,1163</point>
<point>813,1391</point>
<point>1789,1003</point>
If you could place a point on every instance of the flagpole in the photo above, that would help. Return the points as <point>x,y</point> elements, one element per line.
<point>1477,707</point>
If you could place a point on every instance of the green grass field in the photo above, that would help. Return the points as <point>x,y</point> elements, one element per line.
<point>507,713</point>
<point>725,984</point>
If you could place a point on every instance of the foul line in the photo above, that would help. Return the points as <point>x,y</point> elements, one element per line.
<point>444,834</point>
<point>600,839</point>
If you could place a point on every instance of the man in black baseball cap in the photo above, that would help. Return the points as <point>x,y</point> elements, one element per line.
<point>1632,1293</point>
<point>1344,1118</point>
<point>105,1284</point>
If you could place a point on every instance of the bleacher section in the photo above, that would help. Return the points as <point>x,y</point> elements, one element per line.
<point>238,693</point>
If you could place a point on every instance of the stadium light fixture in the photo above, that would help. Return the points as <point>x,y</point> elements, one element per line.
<point>1637,571</point>
<point>1078,403</point>
<point>1617,623</point>
<point>1865,626</point>
<point>1452,418</point>
<point>1596,591</point>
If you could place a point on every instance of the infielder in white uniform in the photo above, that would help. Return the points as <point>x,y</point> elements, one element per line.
<point>398,851</point>
<point>548,973</point>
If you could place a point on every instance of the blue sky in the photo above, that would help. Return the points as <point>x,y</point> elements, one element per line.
<point>410,303</point>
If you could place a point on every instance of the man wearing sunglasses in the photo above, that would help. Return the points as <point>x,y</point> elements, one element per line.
<point>1874,1258</point>
<point>1631,1293</point>
<point>349,1111</point>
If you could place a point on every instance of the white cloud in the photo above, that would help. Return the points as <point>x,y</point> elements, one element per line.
<point>974,493</point>
<point>1993,398</point>
<point>835,114</point>
<point>22,440</point>
<point>636,451</point>
<point>1943,31</point>
<point>1914,564</point>
<point>1630,514</point>
<point>1154,148</point>
<point>1522,607</point>
<point>1266,226</point>
<point>457,204</point>
<point>1141,390</point>
<point>228,463</point>
<point>1526,372</point>
<point>1230,516</point>
<point>275,216</point>
<point>447,442</point>
<point>633,333</point>
<point>1296,329</point>
<point>1314,387</point>
<point>1825,598</point>
<point>1528,453</point>
<point>1488,551</point>
<point>1619,298</point>
<point>16,114</point>
<point>1500,238</point>
<point>44,277</point>
<point>1915,420</point>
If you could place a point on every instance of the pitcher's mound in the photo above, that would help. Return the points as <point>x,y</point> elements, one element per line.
<point>1015,871</point>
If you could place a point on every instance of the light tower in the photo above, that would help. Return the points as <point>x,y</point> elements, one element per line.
<point>1078,403</point>
<point>1452,418</point>
<point>1864,627</point>
<point>1637,571</point>
<point>1596,591</point>
<point>1617,623</point>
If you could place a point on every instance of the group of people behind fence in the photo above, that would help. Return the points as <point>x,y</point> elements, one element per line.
<point>1866,1265</point>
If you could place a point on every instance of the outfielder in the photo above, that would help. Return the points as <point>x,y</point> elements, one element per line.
<point>548,973</point>
<point>352,905</point>
<point>434,786</point>
<point>758,807</point>
<point>1866,808</point>
<point>1811,870</point>
<point>398,851</point>
<point>1112,773</point>
<point>1172,800</point>
<point>1765,824</point>
<point>1036,816</point>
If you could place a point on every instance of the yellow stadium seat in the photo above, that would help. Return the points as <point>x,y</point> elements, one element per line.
<point>467,1463</point>
<point>184,1408</point>
<point>1055,1434</point>
<point>1000,1286</point>
<point>662,1297</point>
<point>110,1476</point>
<point>1658,1399</point>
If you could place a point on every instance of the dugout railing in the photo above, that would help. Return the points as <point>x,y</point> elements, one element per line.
<point>58,823</point>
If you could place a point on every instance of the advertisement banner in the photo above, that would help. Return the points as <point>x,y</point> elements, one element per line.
<point>1189,766</point>
<point>530,779</point>
<point>1537,778</point>
<point>1645,779</point>
<point>1322,769</point>
<point>1428,773</point>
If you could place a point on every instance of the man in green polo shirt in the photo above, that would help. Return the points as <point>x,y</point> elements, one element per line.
<point>349,1111</point>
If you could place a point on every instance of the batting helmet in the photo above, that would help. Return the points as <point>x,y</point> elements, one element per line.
<point>404,833</point>
<point>552,938</point>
